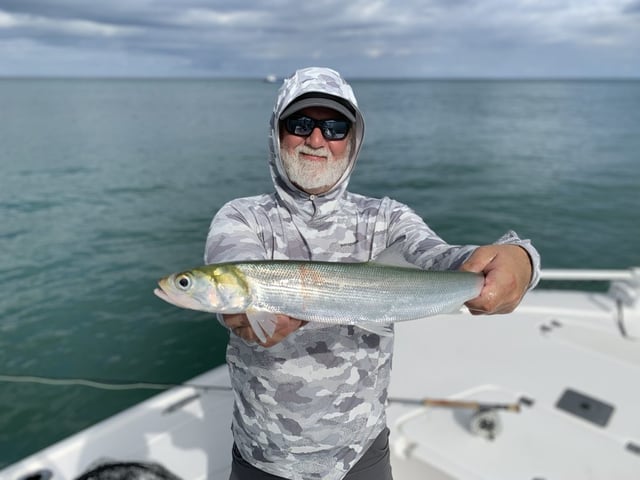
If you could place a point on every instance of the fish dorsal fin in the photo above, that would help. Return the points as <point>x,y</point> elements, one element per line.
<point>393,256</point>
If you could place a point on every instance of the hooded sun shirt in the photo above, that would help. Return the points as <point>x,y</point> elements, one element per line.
<point>310,406</point>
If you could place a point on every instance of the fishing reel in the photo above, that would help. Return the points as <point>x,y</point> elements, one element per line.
<point>486,423</point>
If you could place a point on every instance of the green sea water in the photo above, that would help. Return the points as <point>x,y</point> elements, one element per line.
<point>107,185</point>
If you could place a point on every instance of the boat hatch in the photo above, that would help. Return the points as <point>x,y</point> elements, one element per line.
<point>585,407</point>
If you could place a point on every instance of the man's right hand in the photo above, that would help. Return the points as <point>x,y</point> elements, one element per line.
<point>239,325</point>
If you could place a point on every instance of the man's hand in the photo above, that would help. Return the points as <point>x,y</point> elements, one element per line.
<point>507,272</point>
<point>239,325</point>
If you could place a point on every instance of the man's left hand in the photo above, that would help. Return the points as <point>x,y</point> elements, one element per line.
<point>507,273</point>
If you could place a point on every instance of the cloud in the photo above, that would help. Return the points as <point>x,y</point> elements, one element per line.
<point>632,7</point>
<point>361,38</point>
<point>46,26</point>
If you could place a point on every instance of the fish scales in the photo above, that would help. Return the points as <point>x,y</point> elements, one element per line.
<point>351,293</point>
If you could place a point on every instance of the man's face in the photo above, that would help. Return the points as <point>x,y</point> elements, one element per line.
<point>313,163</point>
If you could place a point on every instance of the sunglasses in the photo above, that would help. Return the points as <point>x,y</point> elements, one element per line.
<point>302,126</point>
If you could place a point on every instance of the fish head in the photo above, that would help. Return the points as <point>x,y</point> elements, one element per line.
<point>218,289</point>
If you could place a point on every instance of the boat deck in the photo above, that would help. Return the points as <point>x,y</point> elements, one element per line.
<point>555,344</point>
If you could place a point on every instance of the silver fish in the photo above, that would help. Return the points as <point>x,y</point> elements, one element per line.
<point>368,295</point>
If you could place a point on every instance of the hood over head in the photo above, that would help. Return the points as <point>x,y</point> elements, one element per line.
<point>307,87</point>
<point>318,99</point>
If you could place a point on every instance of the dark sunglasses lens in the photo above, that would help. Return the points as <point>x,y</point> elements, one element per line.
<point>331,129</point>
<point>335,129</point>
<point>301,126</point>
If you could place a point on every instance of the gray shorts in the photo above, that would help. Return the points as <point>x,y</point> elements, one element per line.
<point>375,464</point>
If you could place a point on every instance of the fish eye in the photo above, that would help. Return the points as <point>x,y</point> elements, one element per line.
<point>183,281</point>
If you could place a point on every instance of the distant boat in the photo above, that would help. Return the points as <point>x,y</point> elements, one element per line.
<point>271,78</point>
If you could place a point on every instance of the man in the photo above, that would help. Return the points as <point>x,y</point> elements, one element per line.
<point>310,402</point>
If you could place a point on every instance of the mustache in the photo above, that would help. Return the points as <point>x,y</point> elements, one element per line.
<point>320,152</point>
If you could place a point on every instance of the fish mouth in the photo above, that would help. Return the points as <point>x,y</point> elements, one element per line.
<point>160,291</point>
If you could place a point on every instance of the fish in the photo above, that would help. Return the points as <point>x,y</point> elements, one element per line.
<point>368,295</point>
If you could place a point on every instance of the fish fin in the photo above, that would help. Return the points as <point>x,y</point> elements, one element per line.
<point>393,256</point>
<point>380,329</point>
<point>263,323</point>
<point>455,310</point>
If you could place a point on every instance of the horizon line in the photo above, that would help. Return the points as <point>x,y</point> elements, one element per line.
<point>269,78</point>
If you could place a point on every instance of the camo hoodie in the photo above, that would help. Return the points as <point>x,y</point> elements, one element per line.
<point>310,406</point>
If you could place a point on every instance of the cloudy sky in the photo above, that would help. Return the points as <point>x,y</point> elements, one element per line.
<point>361,38</point>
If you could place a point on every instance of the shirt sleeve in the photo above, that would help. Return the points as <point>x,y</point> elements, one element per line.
<point>234,235</point>
<point>423,247</point>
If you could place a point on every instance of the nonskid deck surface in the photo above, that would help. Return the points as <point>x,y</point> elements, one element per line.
<point>571,370</point>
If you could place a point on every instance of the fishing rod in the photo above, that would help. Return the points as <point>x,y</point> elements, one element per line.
<point>449,403</point>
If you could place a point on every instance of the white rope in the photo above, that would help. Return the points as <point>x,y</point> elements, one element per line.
<point>104,385</point>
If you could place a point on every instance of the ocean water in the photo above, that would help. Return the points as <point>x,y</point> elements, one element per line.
<point>107,185</point>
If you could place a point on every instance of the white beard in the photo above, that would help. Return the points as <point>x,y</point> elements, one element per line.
<point>312,175</point>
